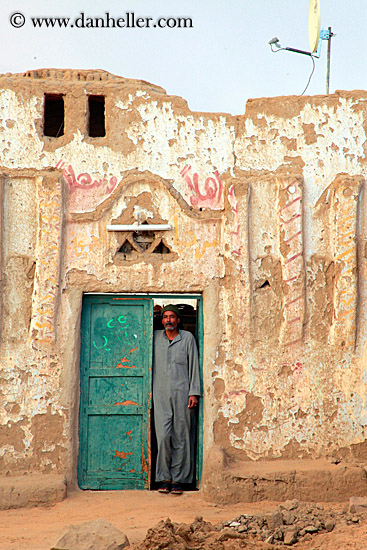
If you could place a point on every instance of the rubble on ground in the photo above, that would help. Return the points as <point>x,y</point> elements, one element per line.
<point>290,523</point>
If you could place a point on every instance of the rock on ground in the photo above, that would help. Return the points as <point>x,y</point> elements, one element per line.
<point>92,535</point>
<point>357,505</point>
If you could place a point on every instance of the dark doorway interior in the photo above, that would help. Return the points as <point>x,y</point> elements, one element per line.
<point>188,321</point>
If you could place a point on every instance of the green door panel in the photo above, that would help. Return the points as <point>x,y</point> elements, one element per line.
<point>115,398</point>
<point>115,451</point>
<point>104,390</point>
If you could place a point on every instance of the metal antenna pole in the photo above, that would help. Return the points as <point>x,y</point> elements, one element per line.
<point>328,61</point>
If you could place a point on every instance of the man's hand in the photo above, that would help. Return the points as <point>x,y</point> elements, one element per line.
<point>193,401</point>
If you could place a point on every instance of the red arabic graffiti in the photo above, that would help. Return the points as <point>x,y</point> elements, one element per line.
<point>84,181</point>
<point>236,222</point>
<point>213,188</point>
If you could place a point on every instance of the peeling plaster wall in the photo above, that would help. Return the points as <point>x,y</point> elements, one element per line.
<point>268,210</point>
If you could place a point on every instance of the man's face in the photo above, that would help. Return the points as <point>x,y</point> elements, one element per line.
<point>170,320</point>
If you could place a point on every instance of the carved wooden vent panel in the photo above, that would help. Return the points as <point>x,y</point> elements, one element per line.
<point>143,246</point>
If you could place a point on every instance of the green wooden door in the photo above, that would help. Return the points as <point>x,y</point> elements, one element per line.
<point>115,400</point>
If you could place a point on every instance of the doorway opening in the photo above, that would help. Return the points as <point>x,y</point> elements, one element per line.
<point>190,320</point>
<point>117,448</point>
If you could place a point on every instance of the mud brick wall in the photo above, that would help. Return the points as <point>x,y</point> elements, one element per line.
<point>268,211</point>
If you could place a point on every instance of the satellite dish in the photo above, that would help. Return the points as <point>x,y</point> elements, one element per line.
<point>314,24</point>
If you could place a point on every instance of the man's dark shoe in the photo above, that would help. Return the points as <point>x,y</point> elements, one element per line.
<point>165,487</point>
<point>176,489</point>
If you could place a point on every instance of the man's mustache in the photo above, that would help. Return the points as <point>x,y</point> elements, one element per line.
<point>169,323</point>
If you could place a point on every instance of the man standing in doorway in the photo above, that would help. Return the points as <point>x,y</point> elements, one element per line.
<point>176,391</point>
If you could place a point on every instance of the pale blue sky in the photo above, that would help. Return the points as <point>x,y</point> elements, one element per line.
<point>216,66</point>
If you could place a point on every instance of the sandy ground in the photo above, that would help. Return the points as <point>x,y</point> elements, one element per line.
<point>134,512</point>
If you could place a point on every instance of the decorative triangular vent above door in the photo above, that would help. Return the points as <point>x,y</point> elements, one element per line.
<point>136,241</point>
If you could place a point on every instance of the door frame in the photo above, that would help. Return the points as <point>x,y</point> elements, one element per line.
<point>200,341</point>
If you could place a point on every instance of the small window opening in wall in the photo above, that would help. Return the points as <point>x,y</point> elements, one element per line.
<point>53,121</point>
<point>96,111</point>
<point>265,284</point>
